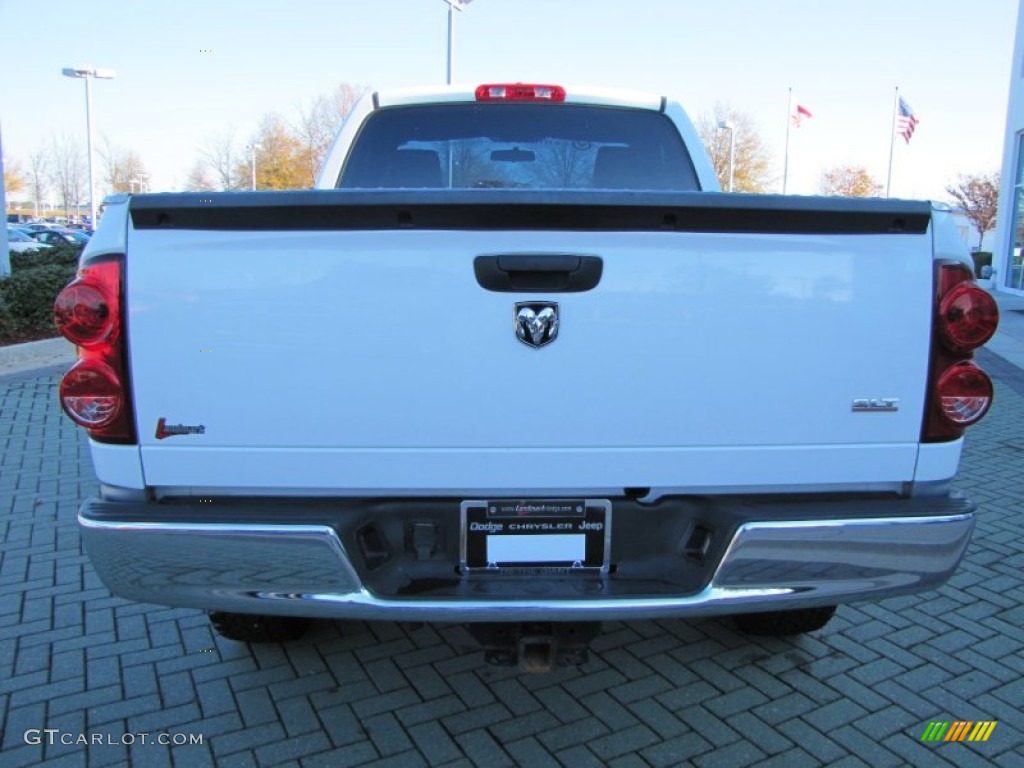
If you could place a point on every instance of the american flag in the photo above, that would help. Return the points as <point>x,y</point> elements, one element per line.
<point>906,121</point>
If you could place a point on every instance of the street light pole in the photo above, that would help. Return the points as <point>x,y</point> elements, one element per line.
<point>727,125</point>
<point>252,151</point>
<point>451,39</point>
<point>87,74</point>
<point>5,254</point>
<point>453,5</point>
<point>88,148</point>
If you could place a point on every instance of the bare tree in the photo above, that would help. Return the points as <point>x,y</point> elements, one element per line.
<point>69,172</point>
<point>125,171</point>
<point>38,177</point>
<point>198,179</point>
<point>978,195</point>
<point>136,177</point>
<point>752,161</point>
<point>849,181</point>
<point>218,152</point>
<point>319,123</point>
<point>561,164</point>
<point>111,157</point>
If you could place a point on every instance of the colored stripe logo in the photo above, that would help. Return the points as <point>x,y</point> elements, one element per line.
<point>959,730</point>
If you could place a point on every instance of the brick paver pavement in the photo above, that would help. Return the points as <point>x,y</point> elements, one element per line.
<point>656,693</point>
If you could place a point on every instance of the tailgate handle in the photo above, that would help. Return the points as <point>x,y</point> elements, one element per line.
<point>538,273</point>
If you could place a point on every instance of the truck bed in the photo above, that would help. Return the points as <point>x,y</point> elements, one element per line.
<point>340,342</point>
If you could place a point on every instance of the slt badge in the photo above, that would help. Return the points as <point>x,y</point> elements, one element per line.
<point>536,322</point>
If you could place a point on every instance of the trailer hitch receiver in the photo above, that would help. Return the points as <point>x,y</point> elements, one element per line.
<point>535,646</point>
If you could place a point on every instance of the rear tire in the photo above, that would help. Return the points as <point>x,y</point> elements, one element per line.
<point>784,623</point>
<point>253,628</point>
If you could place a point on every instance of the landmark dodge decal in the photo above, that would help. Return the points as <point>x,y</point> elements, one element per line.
<point>163,429</point>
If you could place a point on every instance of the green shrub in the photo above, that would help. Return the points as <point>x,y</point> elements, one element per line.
<point>61,255</point>
<point>6,323</point>
<point>26,299</point>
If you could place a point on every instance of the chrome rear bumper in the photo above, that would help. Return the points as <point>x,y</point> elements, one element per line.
<point>304,570</point>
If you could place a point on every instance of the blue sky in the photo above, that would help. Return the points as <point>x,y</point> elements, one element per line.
<point>843,58</point>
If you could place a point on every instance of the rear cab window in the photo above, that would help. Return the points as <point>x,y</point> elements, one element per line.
<point>518,146</point>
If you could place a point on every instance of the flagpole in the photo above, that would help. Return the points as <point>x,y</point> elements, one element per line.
<point>892,138</point>
<point>785,162</point>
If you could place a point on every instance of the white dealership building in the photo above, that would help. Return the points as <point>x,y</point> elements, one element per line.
<point>1009,240</point>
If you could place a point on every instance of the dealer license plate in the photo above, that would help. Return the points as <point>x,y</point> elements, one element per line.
<point>536,535</point>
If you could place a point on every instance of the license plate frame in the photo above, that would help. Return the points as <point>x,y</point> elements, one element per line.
<point>529,536</point>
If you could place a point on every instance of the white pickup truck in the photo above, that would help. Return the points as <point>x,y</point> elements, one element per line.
<point>517,362</point>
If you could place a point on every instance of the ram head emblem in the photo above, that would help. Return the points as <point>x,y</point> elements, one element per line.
<point>536,323</point>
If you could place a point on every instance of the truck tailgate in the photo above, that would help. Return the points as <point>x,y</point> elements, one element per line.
<point>349,361</point>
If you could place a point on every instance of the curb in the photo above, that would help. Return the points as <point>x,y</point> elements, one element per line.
<point>36,354</point>
<point>1008,342</point>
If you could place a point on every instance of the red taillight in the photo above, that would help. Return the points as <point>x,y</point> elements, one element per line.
<point>951,274</point>
<point>82,314</point>
<point>91,394</point>
<point>520,92</point>
<point>964,392</point>
<point>966,316</point>
<point>94,393</point>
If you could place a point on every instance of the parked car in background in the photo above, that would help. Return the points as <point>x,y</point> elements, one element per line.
<point>19,242</point>
<point>60,236</point>
<point>40,226</point>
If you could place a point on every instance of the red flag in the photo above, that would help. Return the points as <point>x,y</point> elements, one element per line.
<point>800,113</point>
